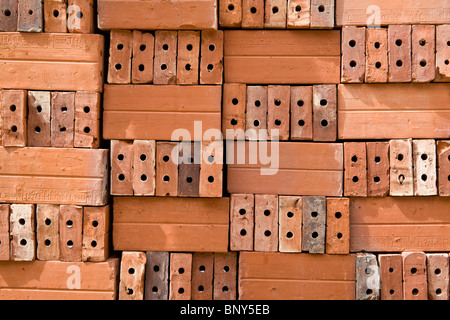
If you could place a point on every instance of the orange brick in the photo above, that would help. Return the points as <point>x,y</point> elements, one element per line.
<point>96,233</point>
<point>355,169</point>
<point>423,44</point>
<point>202,276</point>
<point>211,169</point>
<point>165,62</point>
<point>143,164</point>
<point>442,53</point>
<point>225,276</point>
<point>87,120</point>
<point>377,169</point>
<point>301,113</point>
<point>275,14</point>
<point>121,167</point>
<point>23,232</point>
<point>338,226</point>
<point>233,107</point>
<point>120,49</point>
<point>438,276</point>
<point>63,119</point>
<point>242,222</point>
<point>314,220</point>
<point>142,57</point>
<point>166,168</point>
<point>401,164</point>
<point>82,18</point>
<point>9,19</point>
<point>290,223</point>
<point>132,273</point>
<point>70,232</point>
<point>376,55</point>
<point>14,117</point>
<point>443,156</point>
<point>324,112</point>
<point>230,13</point>
<point>353,48</point>
<point>322,14</point>
<point>252,14</point>
<point>266,223</point>
<point>157,276</point>
<point>391,276</point>
<point>256,108</point>
<point>414,276</point>
<point>399,53</point>
<point>211,63</point>
<point>188,57</point>
<point>39,114</point>
<point>298,14</point>
<point>47,232</point>
<point>55,16</point>
<point>4,232</point>
<point>189,169</point>
<point>278,112</point>
<point>180,276</point>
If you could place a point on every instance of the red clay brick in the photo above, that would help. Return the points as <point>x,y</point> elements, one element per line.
<point>278,112</point>
<point>4,232</point>
<point>376,55</point>
<point>39,114</point>
<point>414,276</point>
<point>142,57</point>
<point>266,223</point>
<point>157,276</point>
<point>233,107</point>
<point>338,226</point>
<point>355,169</point>
<point>87,120</point>
<point>367,277</point>
<point>290,223</point>
<point>275,13</point>
<point>399,53</point>
<point>423,44</point>
<point>322,14</point>
<point>391,275</point>
<point>165,62</point>
<point>96,233</point>
<point>55,16</point>
<point>47,232</point>
<point>189,169</point>
<point>63,119</point>
<point>377,169</point>
<point>23,232</point>
<point>143,164</point>
<point>14,105</point>
<point>353,48</point>
<point>132,273</point>
<point>84,17</point>
<point>442,53</point>
<point>301,113</point>
<point>9,19</point>
<point>202,276</point>
<point>188,57</point>
<point>424,164</point>
<point>225,276</point>
<point>443,156</point>
<point>252,14</point>
<point>401,164</point>
<point>256,108</point>
<point>314,224</point>
<point>70,232</point>
<point>242,222</point>
<point>211,62</point>
<point>166,168</point>
<point>298,14</point>
<point>120,49</point>
<point>180,276</point>
<point>324,112</point>
<point>121,167</point>
<point>230,13</point>
<point>438,276</point>
<point>211,169</point>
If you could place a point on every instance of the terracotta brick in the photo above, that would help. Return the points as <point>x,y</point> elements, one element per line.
<point>443,158</point>
<point>324,112</point>
<point>252,14</point>
<point>377,169</point>
<point>414,276</point>
<point>423,45</point>
<point>4,232</point>
<point>278,112</point>
<point>275,13</point>
<point>367,277</point>
<point>266,223</point>
<point>120,48</point>
<point>1,118</point>
<point>399,53</point>
<point>314,220</point>
<point>31,16</point>
<point>188,57</point>
<point>63,119</point>
<point>8,8</point>
<point>142,57</point>
<point>242,222</point>
<point>338,226</point>
<point>256,108</point>
<point>14,117</point>
<point>230,13</point>
<point>401,172</point>
<point>38,124</point>
<point>166,168</point>
<point>290,223</point>
<point>157,276</point>
<point>211,62</point>
<point>165,62</point>
<point>82,16</point>
<point>23,232</point>
<point>355,169</point>
<point>143,164</point>
<point>353,48</point>
<point>211,169</point>
<point>189,169</point>
<point>376,55</point>
<point>442,53</point>
<point>301,113</point>
<point>233,107</point>
<point>87,123</point>
<point>55,16</point>
<point>391,276</point>
<point>180,276</point>
<point>132,273</point>
<point>298,14</point>
<point>70,232</point>
<point>424,164</point>
<point>121,167</point>
<point>47,232</point>
<point>202,276</point>
<point>322,14</point>
<point>96,233</point>
<point>438,276</point>
<point>225,276</point>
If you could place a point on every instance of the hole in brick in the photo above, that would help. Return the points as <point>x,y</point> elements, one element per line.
<point>378,65</point>
<point>86,109</point>
<point>437,271</point>
<point>277,102</point>
<point>398,42</point>
<point>324,123</point>
<point>37,129</point>
<point>352,43</point>
<point>424,156</point>
<point>79,14</point>
<point>118,66</point>
<point>210,179</point>
<point>267,233</point>
<point>163,66</point>
<point>376,179</point>
<point>156,268</point>
<point>321,8</point>
<point>181,290</point>
<point>166,178</point>
<point>154,289</point>
<point>243,232</point>
<point>267,213</point>
<point>446,62</point>
<point>369,291</point>
<point>298,8</point>
<point>353,63</point>
<point>121,177</point>
<point>301,123</point>
<point>423,63</point>
<point>225,289</point>
<point>189,179</point>
<point>235,101</point>
<point>314,214</point>
<point>166,158</point>
<point>399,63</point>
<point>290,214</point>
<point>448,43</point>
<point>200,288</point>
<point>47,242</point>
<point>142,47</point>
<point>233,122</point>
<point>300,103</point>
<point>120,157</point>
<point>131,270</point>
<point>130,291</point>
<point>62,129</point>
<point>30,12</point>
<point>253,10</point>
<point>354,158</point>
<point>202,268</point>
<point>70,243</point>
<point>165,47</point>
<point>391,291</point>
<point>187,67</point>
<point>314,234</point>
<point>95,223</point>
<point>391,270</point>
<point>256,123</point>
<point>355,179</point>
<point>69,223</point>
<point>144,177</point>
<point>448,178</point>
<point>368,270</point>
<point>323,102</point>
<point>289,235</point>
<point>422,42</point>
<point>48,222</point>
<point>211,159</point>
<point>230,7</point>
<point>189,47</point>
<point>87,129</point>
<point>376,45</point>
<point>14,128</point>
<point>338,215</point>
<point>339,235</point>
<point>23,242</point>
<point>400,157</point>
<point>93,243</point>
<point>143,157</point>
<point>39,109</point>
<point>257,103</point>
<point>274,10</point>
<point>226,268</point>
<point>377,159</point>
<point>401,179</point>
<point>22,221</point>
<point>141,67</point>
<point>413,270</point>
<point>13,108</point>
<point>181,270</point>
<point>277,122</point>
<point>438,291</point>
<point>242,212</point>
<point>424,177</point>
<point>7,12</point>
<point>210,67</point>
<point>211,47</point>
<point>415,291</point>
<point>120,46</point>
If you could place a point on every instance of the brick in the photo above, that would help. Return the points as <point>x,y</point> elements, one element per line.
<point>189,169</point>
<point>63,119</point>
<point>180,276</point>
<point>278,112</point>
<point>376,55</point>
<point>438,276</point>
<point>242,217</point>
<point>233,110</point>
<point>298,14</point>
<point>82,17</point>
<point>275,13</point>
<point>256,108</point>
<point>322,14</point>
<point>338,226</point>
<point>314,220</point>
<point>202,276</point>
<point>142,57</point>
<point>132,273</point>
<point>9,20</point>
<point>188,57</point>
<point>55,16</point>
<point>414,276</point>
<point>399,53</point>
<point>157,276</point>
<point>262,276</point>
<point>377,169</point>
<point>58,280</point>
<point>31,16</point>
<point>47,232</point>
<point>87,120</point>
<point>353,48</point>
<point>225,276</point>
<point>14,105</point>
<point>391,276</point>
<point>423,43</point>
<point>401,172</point>
<point>290,223</point>
<point>211,61</point>
<point>230,13</point>
<point>96,234</point>
<point>121,167</point>
<point>1,120</point>
<point>442,53</point>
<point>301,113</point>
<point>266,223</point>
<point>39,112</point>
<point>166,168</point>
<point>252,14</point>
<point>143,164</point>
<point>211,169</point>
<point>367,277</point>
<point>355,169</point>
<point>23,232</point>
<point>324,112</point>
<point>4,232</point>
<point>165,61</point>
<point>443,158</point>
<point>120,48</point>
<point>70,232</point>
<point>424,164</point>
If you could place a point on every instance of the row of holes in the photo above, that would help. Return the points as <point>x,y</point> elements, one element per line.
<point>275,9</point>
<point>277,102</point>
<point>277,122</point>
<point>7,13</point>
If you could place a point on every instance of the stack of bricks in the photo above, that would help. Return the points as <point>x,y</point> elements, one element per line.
<point>213,149</point>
